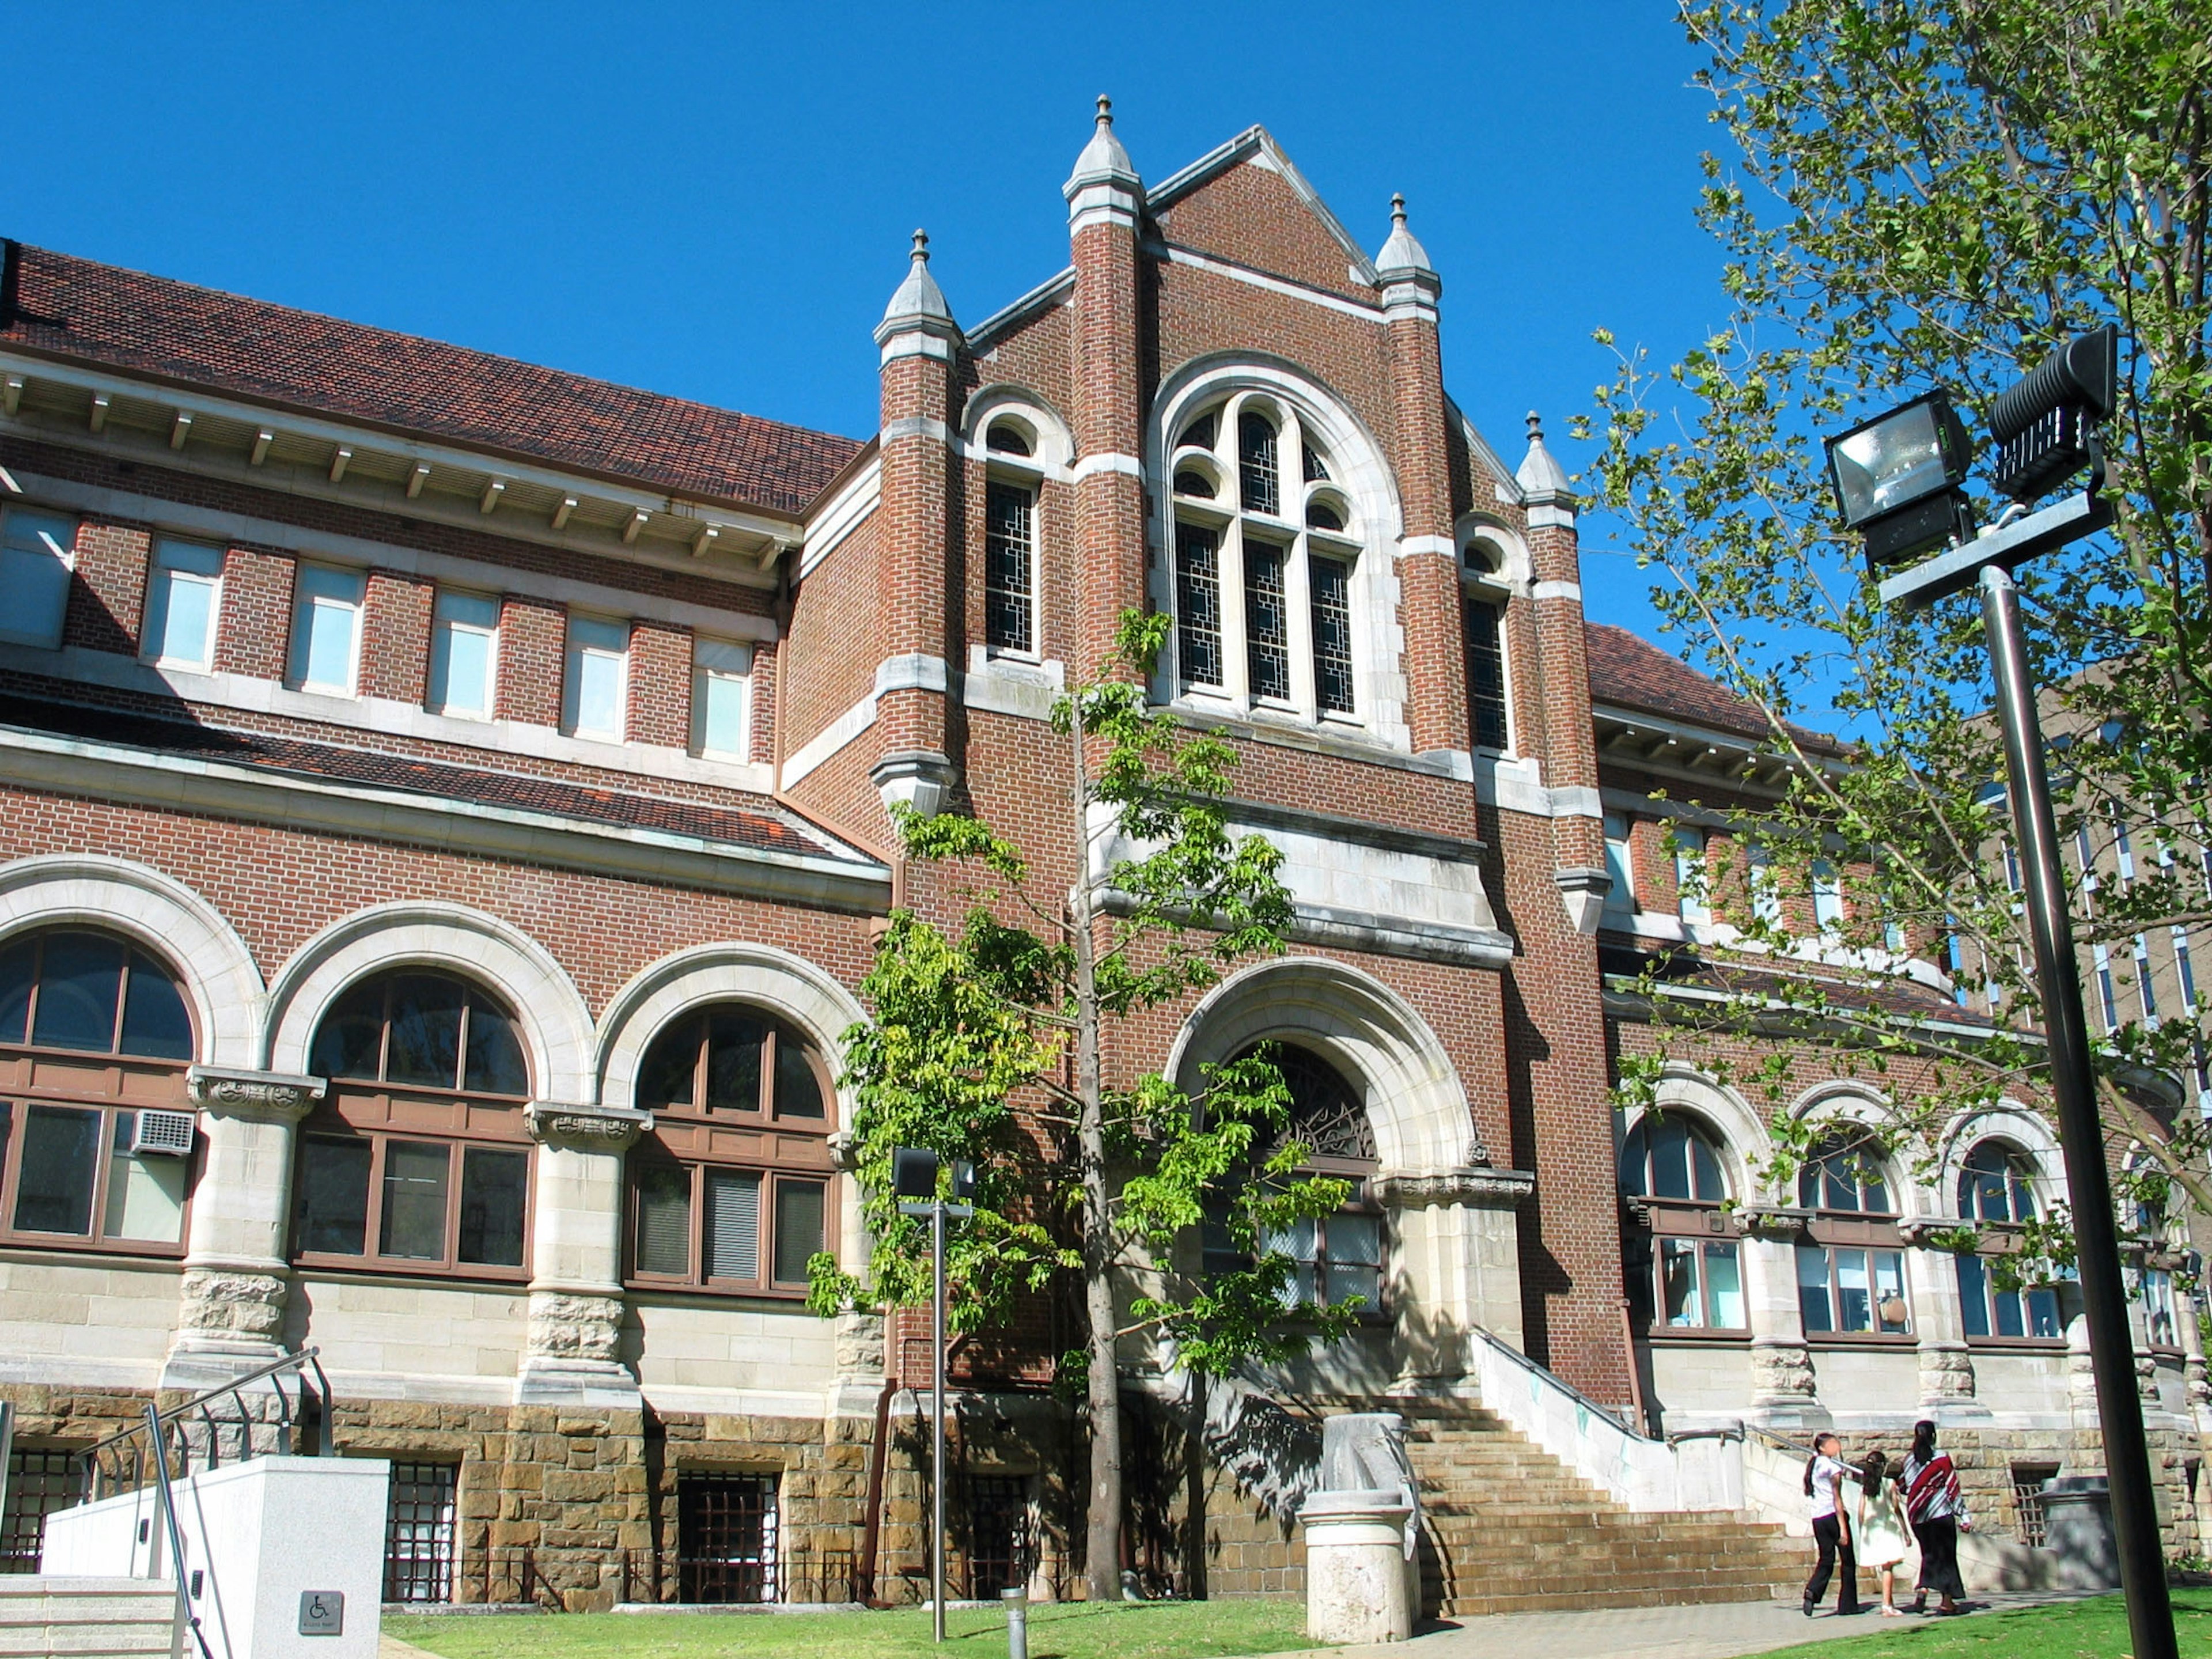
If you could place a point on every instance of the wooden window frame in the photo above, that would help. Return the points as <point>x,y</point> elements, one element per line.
<point>448,1264</point>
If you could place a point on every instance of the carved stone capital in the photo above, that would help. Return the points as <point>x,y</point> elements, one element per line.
<point>585,1128</point>
<point>1491,1189</point>
<point>268,1096</point>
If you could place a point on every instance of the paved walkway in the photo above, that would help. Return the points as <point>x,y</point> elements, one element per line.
<point>1726,1630</point>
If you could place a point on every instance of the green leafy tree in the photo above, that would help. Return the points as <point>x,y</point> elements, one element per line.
<point>1937,192</point>
<point>993,1042</point>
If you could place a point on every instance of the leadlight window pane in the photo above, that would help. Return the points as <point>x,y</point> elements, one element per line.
<point>1354,1263</point>
<point>1670,1160</point>
<point>145,1192</point>
<point>349,1042</point>
<point>1198,605</point>
<point>1258,483</point>
<point>1486,674</point>
<point>671,1068</point>
<point>1320,515</point>
<point>1814,1303</point>
<point>1009,559</point>
<point>797,1089</point>
<point>495,1057</point>
<point>1331,584</point>
<point>1724,1286</point>
<point>1854,1291</point>
<point>1007,440</point>
<point>1194,484</point>
<point>19,970</point>
<point>733,1062</point>
<point>80,982</point>
<point>154,1023</point>
<point>61,1157</point>
<point>1681,1301</point>
<point>663,1220</point>
<point>1706,1168</point>
<point>733,1224</point>
<point>1200,433</point>
<point>426,1030</point>
<point>334,1196</point>
<point>414,1176</point>
<point>1267,625</point>
<point>1316,468</point>
<point>1300,1242</point>
<point>495,1186</point>
<point>798,1212</point>
<point>1974,1294</point>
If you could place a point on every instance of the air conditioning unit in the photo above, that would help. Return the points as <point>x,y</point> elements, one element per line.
<point>169,1134</point>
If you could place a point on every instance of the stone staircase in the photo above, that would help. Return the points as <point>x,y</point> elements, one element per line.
<point>1507,1527</point>
<point>49,1618</point>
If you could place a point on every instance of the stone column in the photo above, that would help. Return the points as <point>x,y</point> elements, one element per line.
<point>1939,1329</point>
<point>1784,1394</point>
<point>230,1301</point>
<point>1455,1249</point>
<point>2196,1382</point>
<point>576,1307</point>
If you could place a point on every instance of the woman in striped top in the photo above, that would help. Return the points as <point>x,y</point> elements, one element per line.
<point>1935,1508</point>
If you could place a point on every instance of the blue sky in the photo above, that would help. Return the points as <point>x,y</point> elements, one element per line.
<point>715,200</point>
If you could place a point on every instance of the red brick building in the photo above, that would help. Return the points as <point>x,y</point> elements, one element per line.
<point>462,788</point>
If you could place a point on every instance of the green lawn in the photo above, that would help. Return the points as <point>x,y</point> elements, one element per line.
<point>1163,1630</point>
<point>2095,1629</point>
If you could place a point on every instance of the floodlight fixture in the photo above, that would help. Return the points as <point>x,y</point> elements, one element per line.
<point>1897,479</point>
<point>2045,426</point>
<point>913,1172</point>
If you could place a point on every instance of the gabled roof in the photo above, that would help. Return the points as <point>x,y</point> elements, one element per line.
<point>1628,671</point>
<point>1258,141</point>
<point>56,306</point>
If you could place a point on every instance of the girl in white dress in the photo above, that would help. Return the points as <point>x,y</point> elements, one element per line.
<point>1880,1528</point>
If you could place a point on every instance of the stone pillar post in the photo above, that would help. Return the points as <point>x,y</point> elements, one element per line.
<point>1939,1329</point>
<point>230,1301</point>
<point>1457,1250</point>
<point>576,1307</point>
<point>1784,1394</point>
<point>2197,1383</point>
<point>1105,200</point>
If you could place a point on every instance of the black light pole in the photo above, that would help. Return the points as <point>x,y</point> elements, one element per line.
<point>1897,480</point>
<point>913,1177</point>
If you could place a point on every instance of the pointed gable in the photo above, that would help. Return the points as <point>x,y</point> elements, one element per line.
<point>1245,203</point>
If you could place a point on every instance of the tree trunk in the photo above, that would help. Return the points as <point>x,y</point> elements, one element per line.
<point>1103,1529</point>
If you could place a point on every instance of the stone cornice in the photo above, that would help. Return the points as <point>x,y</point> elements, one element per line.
<point>585,1128</point>
<point>1479,1189</point>
<point>269,1097</point>
<point>1776,1221</point>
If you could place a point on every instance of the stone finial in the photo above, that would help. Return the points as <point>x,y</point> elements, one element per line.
<point>1540,473</point>
<point>1403,257</point>
<point>918,303</point>
<point>1103,161</point>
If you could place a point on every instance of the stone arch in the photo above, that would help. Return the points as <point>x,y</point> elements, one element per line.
<point>556,1026</point>
<point>1849,1101</point>
<point>1738,1131</point>
<point>1052,444</point>
<point>2018,1127</point>
<point>1362,1028</point>
<point>168,919</point>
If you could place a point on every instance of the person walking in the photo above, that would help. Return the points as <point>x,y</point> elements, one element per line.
<point>1932,1506</point>
<point>1832,1527</point>
<point>1878,1527</point>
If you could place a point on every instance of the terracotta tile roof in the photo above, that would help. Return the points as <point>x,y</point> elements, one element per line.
<point>61,307</point>
<point>768,828</point>
<point>1629,671</point>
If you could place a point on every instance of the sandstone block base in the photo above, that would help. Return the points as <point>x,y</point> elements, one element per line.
<point>1359,1585</point>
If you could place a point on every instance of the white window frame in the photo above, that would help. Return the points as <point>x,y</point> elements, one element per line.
<point>1829,912</point>
<point>305,604</point>
<point>445,623</point>
<point>1024,473</point>
<point>726,662</point>
<point>26,534</point>
<point>1764,887</point>
<point>1620,898</point>
<point>580,648</point>
<point>170,567</point>
<point>1694,898</point>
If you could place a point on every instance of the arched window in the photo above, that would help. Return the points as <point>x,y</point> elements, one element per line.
<point>417,1159</point>
<point>1263,596</point>
<point>1334,1257</point>
<point>731,1189</point>
<point>1483,596</point>
<point>1016,456</point>
<point>1996,1194</point>
<point>88,1021</point>
<point>1685,1274</point>
<point>1851,1268</point>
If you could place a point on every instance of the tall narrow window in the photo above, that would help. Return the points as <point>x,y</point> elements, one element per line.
<point>327,629</point>
<point>2011,868</point>
<point>1765,890</point>
<point>1009,567</point>
<point>1259,484</point>
<point>183,592</point>
<point>1198,605</point>
<point>464,646</point>
<point>1485,671</point>
<point>1692,901</point>
<point>2124,847</point>
<point>38,552</point>
<point>2108,1002</point>
<point>1266,623</point>
<point>1620,867</point>
<point>2145,987</point>
<point>599,664</point>
<point>721,681</point>
<point>2184,970</point>
<point>1827,896</point>
<point>1331,583</point>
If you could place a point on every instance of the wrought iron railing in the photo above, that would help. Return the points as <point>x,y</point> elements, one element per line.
<point>189,1434</point>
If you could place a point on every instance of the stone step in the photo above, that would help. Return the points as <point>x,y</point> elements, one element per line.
<point>44,1617</point>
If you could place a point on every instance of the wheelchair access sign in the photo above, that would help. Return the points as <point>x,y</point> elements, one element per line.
<point>322,1613</point>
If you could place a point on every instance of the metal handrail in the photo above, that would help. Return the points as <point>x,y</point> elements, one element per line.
<point>315,1403</point>
<point>168,1499</point>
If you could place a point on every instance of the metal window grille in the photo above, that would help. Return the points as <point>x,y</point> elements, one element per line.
<point>1316,468</point>
<point>38,1483</point>
<point>1259,484</point>
<point>1198,605</point>
<point>1009,542</point>
<point>999,1553</point>
<point>418,1533</point>
<point>1486,674</point>
<point>1331,580</point>
<point>726,1537</point>
<point>2027,1481</point>
<point>1266,623</point>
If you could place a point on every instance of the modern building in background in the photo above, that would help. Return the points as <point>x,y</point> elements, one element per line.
<point>444,821</point>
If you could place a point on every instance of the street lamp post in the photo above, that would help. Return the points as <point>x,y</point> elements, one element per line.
<point>1897,480</point>
<point>914,1182</point>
